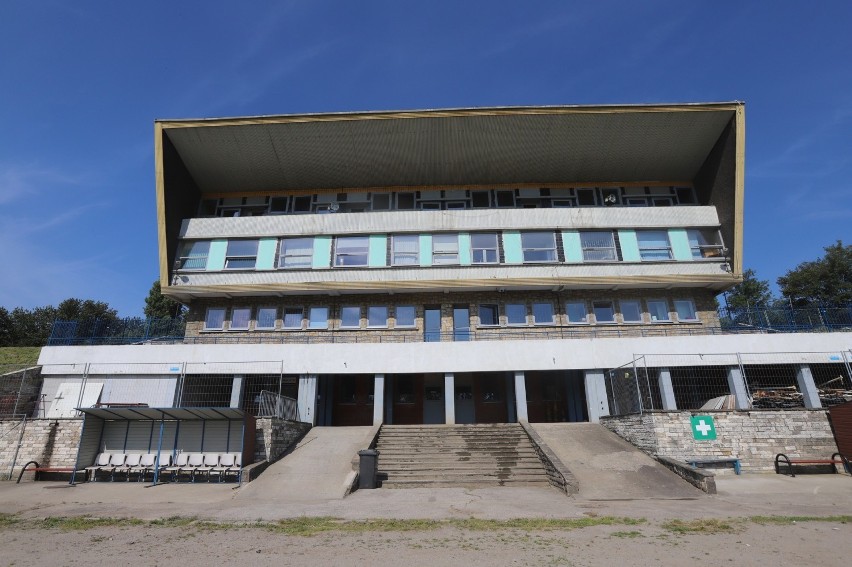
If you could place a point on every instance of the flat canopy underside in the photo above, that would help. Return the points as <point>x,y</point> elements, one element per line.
<point>473,148</point>
<point>168,414</point>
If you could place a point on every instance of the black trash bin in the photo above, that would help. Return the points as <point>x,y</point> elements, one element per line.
<point>368,468</point>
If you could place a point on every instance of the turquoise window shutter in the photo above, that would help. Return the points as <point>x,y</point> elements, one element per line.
<point>571,245</point>
<point>378,251</point>
<point>680,244</point>
<point>216,257</point>
<point>425,250</point>
<point>465,253</point>
<point>512,250</point>
<point>629,246</point>
<point>322,252</point>
<point>266,249</point>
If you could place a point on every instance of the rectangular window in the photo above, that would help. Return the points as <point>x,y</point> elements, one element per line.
<point>604,311</point>
<point>406,250</point>
<point>240,317</point>
<point>405,201</point>
<point>445,249</point>
<point>480,199</point>
<point>404,316</point>
<point>278,205</point>
<point>377,316</point>
<point>516,314</point>
<point>631,311</point>
<point>293,317</point>
<point>489,315</point>
<point>302,204</point>
<point>351,251</point>
<point>598,246</point>
<point>318,318</point>
<point>542,313</point>
<point>241,254</point>
<point>381,201</point>
<point>215,319</point>
<point>484,248</point>
<point>704,243</point>
<point>194,255</point>
<point>505,198</point>
<point>350,317</point>
<point>576,312</point>
<point>538,246</point>
<point>654,245</point>
<point>296,253</point>
<point>685,309</point>
<point>586,197</point>
<point>266,317</point>
<point>658,309</point>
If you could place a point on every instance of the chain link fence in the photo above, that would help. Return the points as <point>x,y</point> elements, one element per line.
<point>705,381</point>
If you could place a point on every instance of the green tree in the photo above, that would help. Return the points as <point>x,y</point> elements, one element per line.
<point>5,328</point>
<point>73,309</point>
<point>752,292</point>
<point>32,328</point>
<point>159,306</point>
<point>826,280</point>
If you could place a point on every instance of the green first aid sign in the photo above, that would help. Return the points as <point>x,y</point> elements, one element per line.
<point>703,428</point>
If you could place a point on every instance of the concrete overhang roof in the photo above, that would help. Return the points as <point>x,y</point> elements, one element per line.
<point>466,146</point>
<point>167,414</point>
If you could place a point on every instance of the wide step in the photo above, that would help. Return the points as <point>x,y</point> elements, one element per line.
<point>458,456</point>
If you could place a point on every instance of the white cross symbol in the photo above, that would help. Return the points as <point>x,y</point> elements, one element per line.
<point>703,428</point>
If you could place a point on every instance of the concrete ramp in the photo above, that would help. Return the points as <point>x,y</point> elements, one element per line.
<point>319,468</point>
<point>610,468</point>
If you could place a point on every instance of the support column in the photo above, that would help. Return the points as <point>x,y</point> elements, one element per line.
<point>736,384</point>
<point>667,390</point>
<point>237,390</point>
<point>521,396</point>
<point>810,395</point>
<point>379,399</point>
<point>449,398</point>
<point>597,403</point>
<point>308,398</point>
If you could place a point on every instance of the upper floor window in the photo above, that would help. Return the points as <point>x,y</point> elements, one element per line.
<point>404,315</point>
<point>658,309</point>
<point>542,313</point>
<point>685,309</point>
<point>488,314</point>
<point>538,246</point>
<point>406,250</point>
<point>296,253</point>
<point>194,255</point>
<point>445,249</point>
<point>318,318</point>
<point>631,310</point>
<point>214,319</point>
<point>266,317</point>
<point>350,317</point>
<point>598,246</point>
<point>241,254</point>
<point>377,316</point>
<point>516,314</point>
<point>604,311</point>
<point>484,248</point>
<point>576,312</point>
<point>704,243</point>
<point>654,245</point>
<point>292,318</point>
<point>240,318</point>
<point>350,251</point>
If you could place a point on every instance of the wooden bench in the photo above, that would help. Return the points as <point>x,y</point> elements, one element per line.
<point>836,459</point>
<point>717,461</point>
<point>37,469</point>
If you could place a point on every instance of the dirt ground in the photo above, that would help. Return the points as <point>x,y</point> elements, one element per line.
<point>746,543</point>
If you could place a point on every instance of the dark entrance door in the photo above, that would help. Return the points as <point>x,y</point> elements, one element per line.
<point>489,395</point>
<point>408,399</point>
<point>353,400</point>
<point>545,397</point>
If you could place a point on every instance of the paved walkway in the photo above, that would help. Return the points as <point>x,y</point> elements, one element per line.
<point>610,468</point>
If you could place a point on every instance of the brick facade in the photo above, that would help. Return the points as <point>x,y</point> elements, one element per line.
<point>704,300</point>
<point>754,437</point>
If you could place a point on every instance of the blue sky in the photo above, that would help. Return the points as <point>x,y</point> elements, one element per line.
<point>81,84</point>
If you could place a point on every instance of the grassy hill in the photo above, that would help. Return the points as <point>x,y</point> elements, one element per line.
<point>19,357</point>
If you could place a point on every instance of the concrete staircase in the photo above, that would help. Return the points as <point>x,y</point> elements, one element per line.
<point>414,456</point>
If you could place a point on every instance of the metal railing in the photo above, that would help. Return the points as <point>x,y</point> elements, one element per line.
<point>788,319</point>
<point>271,404</point>
<point>115,331</point>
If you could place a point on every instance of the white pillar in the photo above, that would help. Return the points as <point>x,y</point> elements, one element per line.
<point>521,396</point>
<point>379,399</point>
<point>667,390</point>
<point>597,403</point>
<point>449,398</point>
<point>736,384</point>
<point>308,398</point>
<point>810,395</point>
<point>237,390</point>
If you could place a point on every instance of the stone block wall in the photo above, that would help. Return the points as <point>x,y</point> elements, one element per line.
<point>50,442</point>
<point>754,437</point>
<point>275,437</point>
